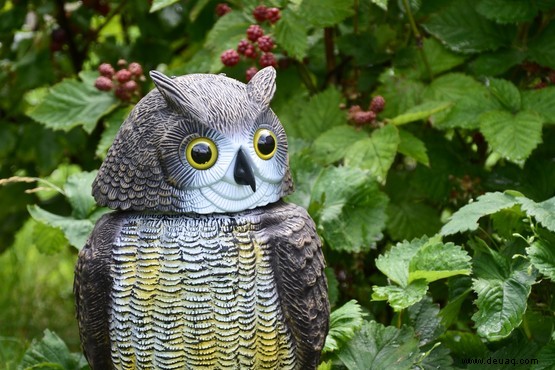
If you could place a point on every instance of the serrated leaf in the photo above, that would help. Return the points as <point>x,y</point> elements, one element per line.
<point>424,316</point>
<point>436,260</point>
<point>49,240</point>
<point>506,92</point>
<point>71,103</point>
<point>78,190</point>
<point>502,297</point>
<point>408,219</point>
<point>540,48</point>
<point>378,347</point>
<point>545,357</point>
<point>320,114</point>
<point>497,62</point>
<point>291,34</point>
<point>542,256</point>
<point>399,92</point>
<point>395,262</point>
<point>514,136</point>
<point>463,30</point>
<point>420,112</point>
<point>225,34</point>
<point>51,352</point>
<point>76,231</point>
<point>161,4</point>
<point>400,297</point>
<point>540,101</point>
<point>332,145</point>
<point>507,11</point>
<point>413,147</point>
<point>325,13</point>
<point>464,344</point>
<point>345,321</point>
<point>466,218</point>
<point>543,212</point>
<point>375,153</point>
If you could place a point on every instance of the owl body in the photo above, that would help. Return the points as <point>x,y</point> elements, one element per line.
<point>201,266</point>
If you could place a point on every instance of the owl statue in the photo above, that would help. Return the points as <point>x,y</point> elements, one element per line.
<point>202,265</point>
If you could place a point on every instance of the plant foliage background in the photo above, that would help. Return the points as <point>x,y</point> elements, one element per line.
<point>437,216</point>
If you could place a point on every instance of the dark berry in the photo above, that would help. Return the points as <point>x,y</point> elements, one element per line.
<point>230,57</point>
<point>265,43</point>
<point>273,15</point>
<point>242,46</point>
<point>250,52</point>
<point>106,70</point>
<point>260,13</point>
<point>103,83</point>
<point>254,32</point>
<point>123,75</point>
<point>362,117</point>
<point>102,8</point>
<point>222,9</point>
<point>130,86</point>
<point>377,104</point>
<point>250,73</point>
<point>122,94</point>
<point>268,59</point>
<point>135,69</point>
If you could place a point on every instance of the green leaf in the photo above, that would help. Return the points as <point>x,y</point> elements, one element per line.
<point>540,48</point>
<point>506,93</point>
<point>507,11</point>
<point>540,101</point>
<point>395,262</point>
<point>543,212</point>
<point>497,62</point>
<point>71,103</point>
<point>325,13</point>
<point>332,145</point>
<point>546,357</point>
<point>76,231</point>
<point>78,190</point>
<point>112,123</point>
<point>381,3</point>
<point>466,218</point>
<point>464,344</point>
<point>469,98</point>
<point>413,147</point>
<point>49,240</point>
<point>399,92</point>
<point>450,313</point>
<point>161,4</point>
<point>51,352</point>
<point>378,347</point>
<point>345,321</point>
<point>408,219</point>
<point>436,260</point>
<point>425,320</point>
<point>463,30</point>
<point>225,34</point>
<point>333,285</point>
<point>320,114</point>
<point>400,297</point>
<point>291,34</point>
<point>420,112</point>
<point>502,294</point>
<point>514,136</point>
<point>351,212</point>
<point>375,153</point>
<point>542,256</point>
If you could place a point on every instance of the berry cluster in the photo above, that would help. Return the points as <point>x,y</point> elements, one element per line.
<point>257,45</point>
<point>222,9</point>
<point>361,117</point>
<point>124,82</point>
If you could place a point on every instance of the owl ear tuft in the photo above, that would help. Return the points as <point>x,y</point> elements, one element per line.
<point>174,95</point>
<point>262,86</point>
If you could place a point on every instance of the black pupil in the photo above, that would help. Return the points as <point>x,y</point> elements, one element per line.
<point>201,153</point>
<point>266,144</point>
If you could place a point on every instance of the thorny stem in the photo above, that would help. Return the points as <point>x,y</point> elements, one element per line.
<point>419,39</point>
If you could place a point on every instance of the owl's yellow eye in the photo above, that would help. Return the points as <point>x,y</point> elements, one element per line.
<point>265,143</point>
<point>201,153</point>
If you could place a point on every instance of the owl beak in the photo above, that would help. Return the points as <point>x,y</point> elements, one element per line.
<point>242,172</point>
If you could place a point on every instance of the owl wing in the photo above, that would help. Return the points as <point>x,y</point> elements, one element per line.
<point>299,270</point>
<point>91,287</point>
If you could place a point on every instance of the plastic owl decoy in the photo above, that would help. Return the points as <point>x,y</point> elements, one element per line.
<point>202,265</point>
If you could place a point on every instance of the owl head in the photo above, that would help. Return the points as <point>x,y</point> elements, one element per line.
<point>199,143</point>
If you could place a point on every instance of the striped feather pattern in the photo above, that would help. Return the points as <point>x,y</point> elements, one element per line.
<point>195,292</point>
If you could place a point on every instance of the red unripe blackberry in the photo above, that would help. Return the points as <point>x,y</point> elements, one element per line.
<point>106,70</point>
<point>103,83</point>
<point>122,94</point>
<point>265,43</point>
<point>254,32</point>
<point>268,59</point>
<point>250,73</point>
<point>135,69</point>
<point>123,75</point>
<point>222,9</point>
<point>362,117</point>
<point>259,13</point>
<point>250,52</point>
<point>377,104</point>
<point>230,57</point>
<point>130,86</point>
<point>242,46</point>
<point>273,15</point>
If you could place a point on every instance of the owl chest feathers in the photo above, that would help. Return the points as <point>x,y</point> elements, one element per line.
<point>196,292</point>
